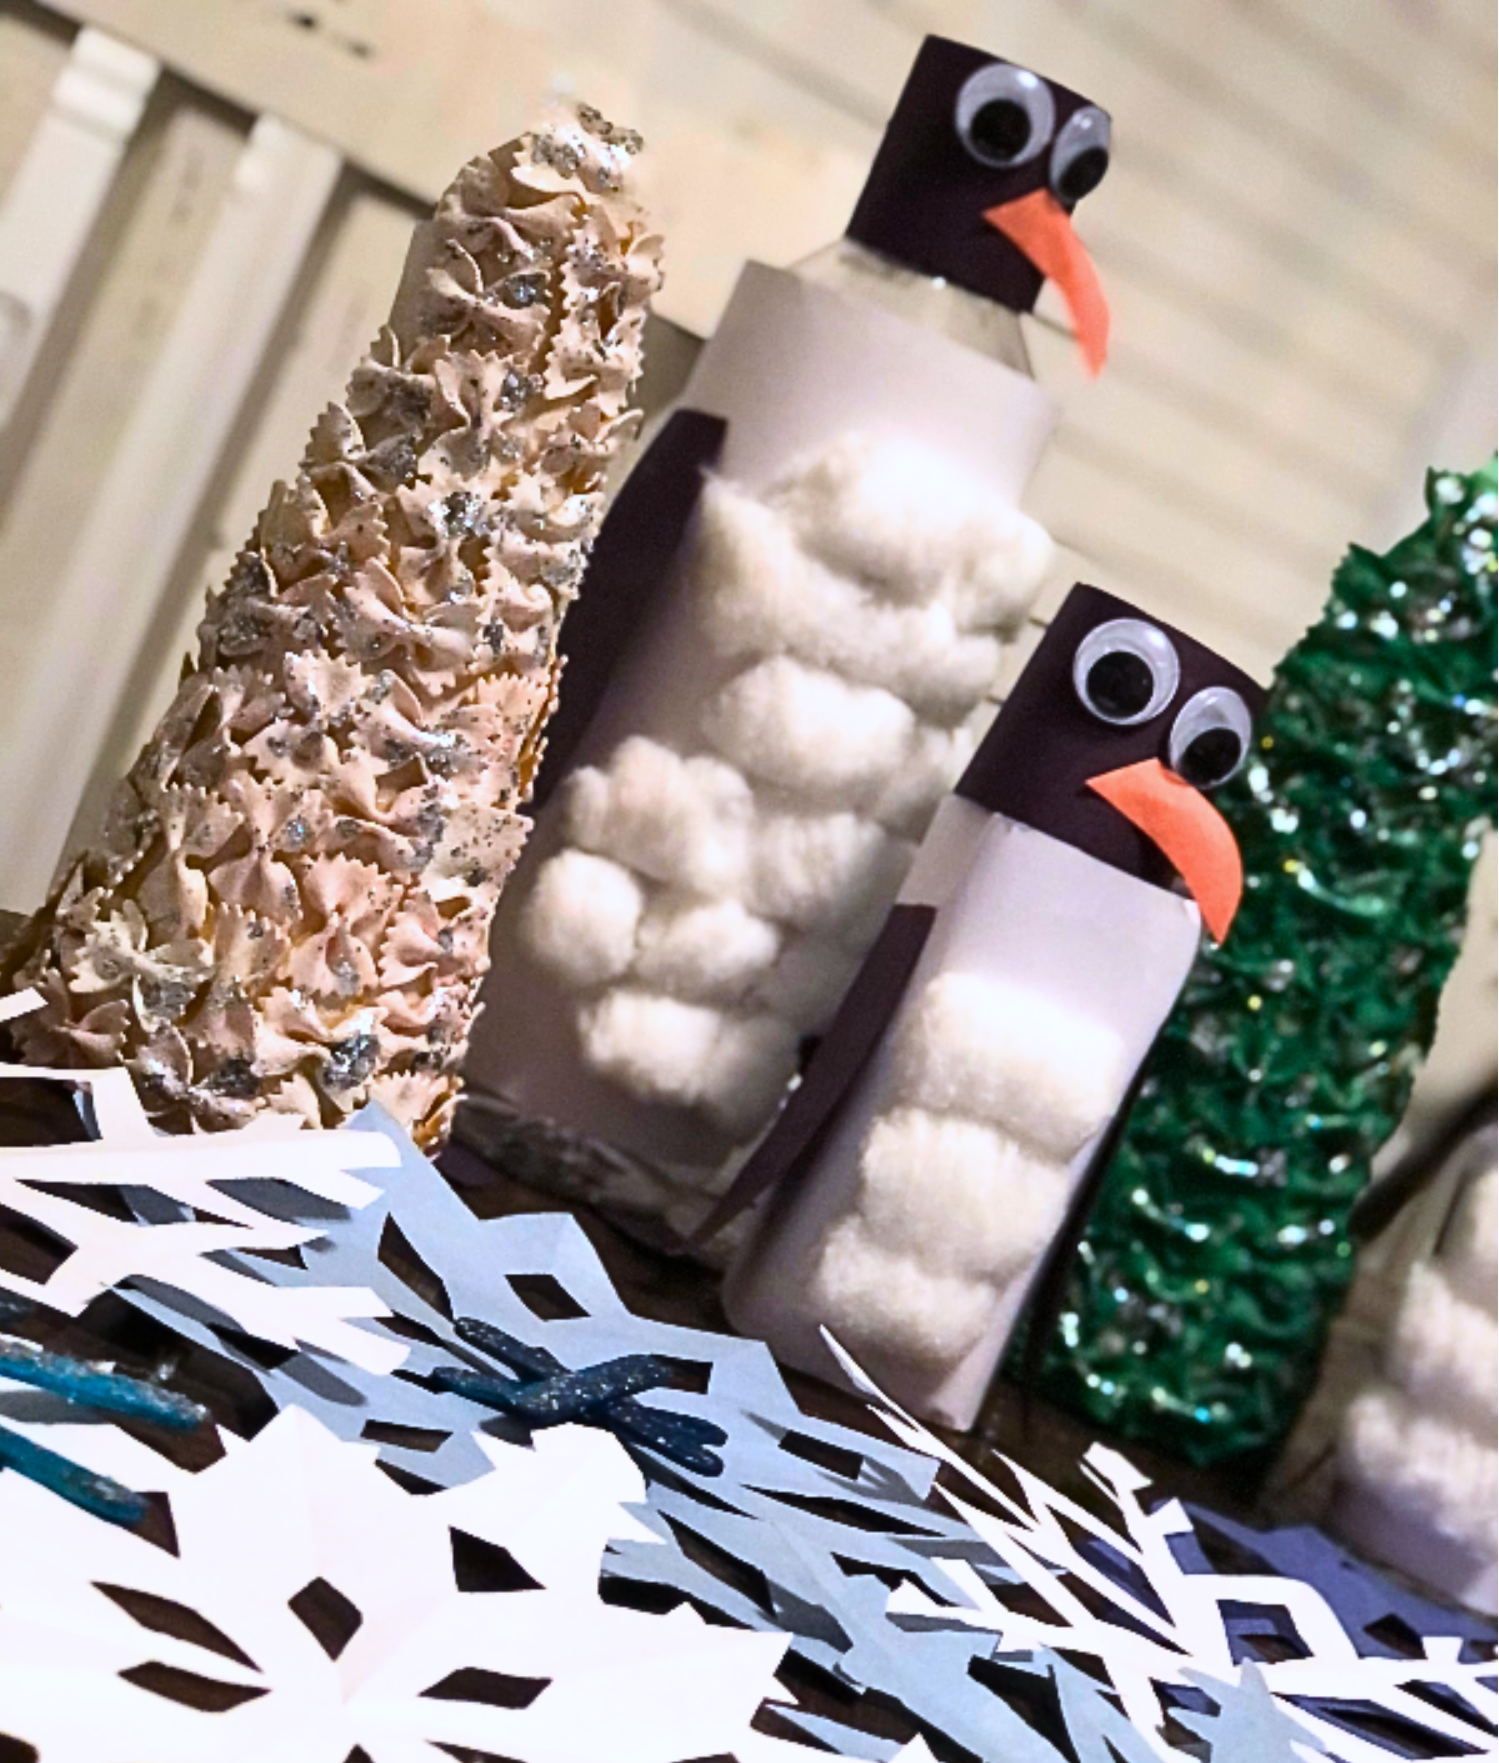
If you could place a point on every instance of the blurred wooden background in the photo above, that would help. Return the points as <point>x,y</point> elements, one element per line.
<point>204,205</point>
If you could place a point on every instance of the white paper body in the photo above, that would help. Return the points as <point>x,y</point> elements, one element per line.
<point>785,668</point>
<point>922,1267</point>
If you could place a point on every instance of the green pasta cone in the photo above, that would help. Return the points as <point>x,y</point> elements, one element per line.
<point>1219,1251</point>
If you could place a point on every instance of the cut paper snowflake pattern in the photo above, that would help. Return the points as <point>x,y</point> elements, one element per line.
<point>195,1178</point>
<point>892,1594</point>
<point>797,1534</point>
<point>1162,1634</point>
<point>314,1609</point>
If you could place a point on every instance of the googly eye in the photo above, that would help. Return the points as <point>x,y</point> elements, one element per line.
<point>1126,671</point>
<point>1210,737</point>
<point>1081,154</point>
<point>1005,114</point>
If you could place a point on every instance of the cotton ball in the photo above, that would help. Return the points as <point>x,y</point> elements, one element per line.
<point>704,950</point>
<point>807,730</point>
<point>653,1047</point>
<point>1445,1353</point>
<point>747,1071</point>
<point>581,917</point>
<point>735,1068</point>
<point>756,589</point>
<point>933,763</point>
<point>807,983</point>
<point>883,508</point>
<point>940,671</point>
<point>1439,1474</point>
<point>957,1196</point>
<point>826,871</point>
<point>759,594</point>
<point>685,822</point>
<point>1469,1250</point>
<point>876,1301</point>
<point>1007,558</point>
<point>1002,1053</point>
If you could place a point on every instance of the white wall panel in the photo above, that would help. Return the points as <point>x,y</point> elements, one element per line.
<point>129,536</point>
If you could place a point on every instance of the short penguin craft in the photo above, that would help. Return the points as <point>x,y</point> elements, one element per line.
<point>795,613</point>
<point>950,1116</point>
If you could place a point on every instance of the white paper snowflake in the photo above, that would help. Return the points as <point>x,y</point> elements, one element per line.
<point>100,1250</point>
<point>326,1609</point>
<point>1118,1595</point>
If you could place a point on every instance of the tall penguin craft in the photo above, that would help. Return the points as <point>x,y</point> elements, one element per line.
<point>794,615</point>
<point>949,1119</point>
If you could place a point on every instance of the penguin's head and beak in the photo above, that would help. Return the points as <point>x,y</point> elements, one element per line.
<point>976,179</point>
<point>1113,740</point>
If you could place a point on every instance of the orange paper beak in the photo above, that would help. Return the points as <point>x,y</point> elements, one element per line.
<point>1042,228</point>
<point>1188,828</point>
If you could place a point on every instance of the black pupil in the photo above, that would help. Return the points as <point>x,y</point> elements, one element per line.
<point>1001,128</point>
<point>1083,174</point>
<point>1120,684</point>
<point>1210,757</point>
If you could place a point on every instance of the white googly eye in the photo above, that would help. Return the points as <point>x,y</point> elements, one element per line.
<point>1081,155</point>
<point>1126,671</point>
<point>1210,737</point>
<point>1005,114</point>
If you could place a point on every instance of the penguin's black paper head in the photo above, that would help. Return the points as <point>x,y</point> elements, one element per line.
<point>1115,733</point>
<point>980,168</point>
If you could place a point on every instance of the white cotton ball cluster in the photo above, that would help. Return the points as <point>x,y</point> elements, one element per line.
<point>1445,1352</point>
<point>752,1064</point>
<point>933,763</point>
<point>1438,1472</point>
<point>853,616</point>
<point>660,1049</point>
<point>877,1301</point>
<point>887,510</point>
<point>957,1195</point>
<point>761,595</point>
<point>581,917</point>
<point>684,822</point>
<point>655,1047</point>
<point>809,731</point>
<point>1005,1054</point>
<point>707,951</point>
<point>1419,1445</point>
<point>832,872</point>
<point>965,1179</point>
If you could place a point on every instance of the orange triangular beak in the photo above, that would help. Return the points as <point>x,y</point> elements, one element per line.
<point>1188,828</point>
<point>1042,228</point>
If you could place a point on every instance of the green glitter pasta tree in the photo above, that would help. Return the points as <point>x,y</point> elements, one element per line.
<point>1201,1294</point>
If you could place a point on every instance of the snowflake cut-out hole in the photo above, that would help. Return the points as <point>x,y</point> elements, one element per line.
<point>167,1616</point>
<point>329,1617</point>
<point>401,1258</point>
<point>174,1684</point>
<point>492,1689</point>
<point>545,1296</point>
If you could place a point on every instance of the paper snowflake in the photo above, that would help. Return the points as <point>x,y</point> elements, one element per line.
<point>314,1609</point>
<point>180,1250</point>
<point>799,1533</point>
<point>910,1611</point>
<point>1261,1664</point>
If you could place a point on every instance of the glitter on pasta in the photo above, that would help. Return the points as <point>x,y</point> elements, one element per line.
<point>289,904</point>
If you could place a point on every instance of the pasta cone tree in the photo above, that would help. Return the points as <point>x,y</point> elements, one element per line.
<point>290,901</point>
<point>1200,1297</point>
